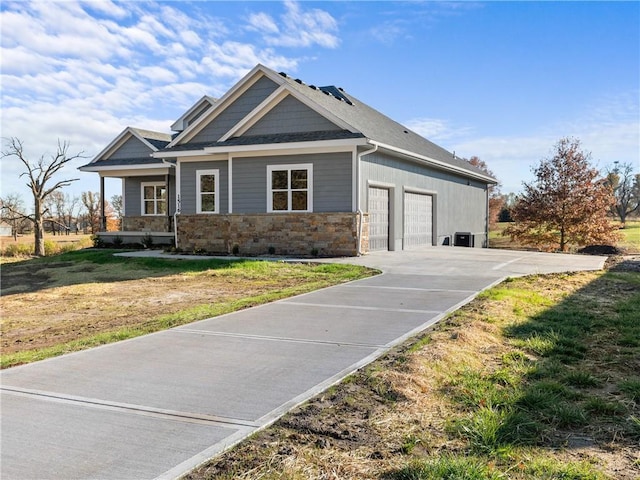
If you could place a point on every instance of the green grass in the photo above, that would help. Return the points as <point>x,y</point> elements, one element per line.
<point>447,467</point>
<point>104,266</point>
<point>563,361</point>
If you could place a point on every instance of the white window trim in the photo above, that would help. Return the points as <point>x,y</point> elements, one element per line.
<point>300,166</point>
<point>216,174</point>
<point>142,209</point>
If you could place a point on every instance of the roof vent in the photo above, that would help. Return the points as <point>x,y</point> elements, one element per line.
<point>406,131</point>
<point>327,93</point>
<point>299,81</point>
<point>282,74</point>
<point>313,87</point>
<point>341,89</point>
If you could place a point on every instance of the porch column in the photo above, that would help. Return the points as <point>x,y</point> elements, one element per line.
<point>103,218</point>
<point>168,196</point>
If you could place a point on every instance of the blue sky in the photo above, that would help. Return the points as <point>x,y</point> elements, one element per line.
<point>500,80</point>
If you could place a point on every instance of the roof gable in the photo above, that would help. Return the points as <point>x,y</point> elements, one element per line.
<point>263,80</point>
<point>290,115</point>
<point>193,113</point>
<point>132,143</point>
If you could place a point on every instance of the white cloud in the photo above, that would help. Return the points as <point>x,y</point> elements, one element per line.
<point>88,68</point>
<point>609,129</point>
<point>263,22</point>
<point>300,27</point>
<point>437,130</point>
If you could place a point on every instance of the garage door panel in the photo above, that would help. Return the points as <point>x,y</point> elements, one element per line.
<point>418,219</point>
<point>378,218</point>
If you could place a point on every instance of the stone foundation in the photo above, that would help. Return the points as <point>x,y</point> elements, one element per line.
<point>316,234</point>
<point>147,224</point>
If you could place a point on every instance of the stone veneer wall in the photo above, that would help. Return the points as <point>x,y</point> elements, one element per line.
<point>160,223</point>
<point>323,234</point>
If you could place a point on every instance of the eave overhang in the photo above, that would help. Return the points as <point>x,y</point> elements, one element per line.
<point>440,165</point>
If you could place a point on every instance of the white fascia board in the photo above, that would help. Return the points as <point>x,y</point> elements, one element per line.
<point>201,157</point>
<point>292,148</point>
<point>238,89</point>
<point>257,113</point>
<point>178,154</point>
<point>98,168</point>
<point>178,125</point>
<point>437,163</point>
<point>120,140</point>
<point>135,133</point>
<point>114,145</point>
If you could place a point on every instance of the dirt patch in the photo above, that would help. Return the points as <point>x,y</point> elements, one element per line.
<point>623,263</point>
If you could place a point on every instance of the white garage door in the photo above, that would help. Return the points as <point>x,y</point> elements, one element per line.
<point>378,218</point>
<point>418,219</point>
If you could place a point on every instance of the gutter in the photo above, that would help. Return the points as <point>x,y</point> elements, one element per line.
<point>359,210</point>
<point>437,163</point>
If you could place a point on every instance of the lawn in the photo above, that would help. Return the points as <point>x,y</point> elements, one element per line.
<point>23,245</point>
<point>538,378</point>
<point>630,242</point>
<point>80,299</point>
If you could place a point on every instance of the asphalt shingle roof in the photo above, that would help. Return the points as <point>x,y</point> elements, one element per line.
<point>269,139</point>
<point>375,125</point>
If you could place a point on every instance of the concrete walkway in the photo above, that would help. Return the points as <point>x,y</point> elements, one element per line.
<point>159,405</point>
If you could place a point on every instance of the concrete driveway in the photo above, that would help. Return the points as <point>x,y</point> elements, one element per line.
<point>159,405</point>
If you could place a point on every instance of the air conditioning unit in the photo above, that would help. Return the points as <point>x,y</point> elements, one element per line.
<point>463,239</point>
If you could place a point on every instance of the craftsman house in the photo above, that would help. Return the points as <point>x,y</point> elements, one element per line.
<point>279,166</point>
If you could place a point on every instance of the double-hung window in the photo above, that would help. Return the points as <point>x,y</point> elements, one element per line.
<point>290,188</point>
<point>207,191</point>
<point>154,198</point>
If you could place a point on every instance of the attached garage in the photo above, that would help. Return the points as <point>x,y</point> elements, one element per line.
<point>378,218</point>
<point>418,220</point>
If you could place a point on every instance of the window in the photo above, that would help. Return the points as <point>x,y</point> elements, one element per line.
<point>290,188</point>
<point>207,188</point>
<point>154,198</point>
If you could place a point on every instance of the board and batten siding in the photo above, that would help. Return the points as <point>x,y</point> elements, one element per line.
<point>188,172</point>
<point>331,181</point>
<point>461,203</point>
<point>132,148</point>
<point>236,111</point>
<point>132,191</point>
<point>291,116</point>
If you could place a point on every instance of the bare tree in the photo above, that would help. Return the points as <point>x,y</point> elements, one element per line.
<point>117,205</point>
<point>567,203</point>
<point>12,212</point>
<point>626,190</point>
<point>91,202</point>
<point>40,175</point>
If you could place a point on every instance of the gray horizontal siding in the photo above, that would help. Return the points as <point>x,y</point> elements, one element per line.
<point>290,116</point>
<point>331,181</point>
<point>461,203</point>
<point>188,172</point>
<point>132,148</point>
<point>132,191</point>
<point>236,111</point>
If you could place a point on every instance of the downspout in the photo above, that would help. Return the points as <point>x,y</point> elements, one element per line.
<point>486,226</point>
<point>358,209</point>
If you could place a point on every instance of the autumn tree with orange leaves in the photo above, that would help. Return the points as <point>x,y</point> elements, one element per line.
<point>566,204</point>
<point>496,200</point>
